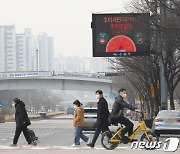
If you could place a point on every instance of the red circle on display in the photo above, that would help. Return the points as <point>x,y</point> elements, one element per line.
<point>120,43</point>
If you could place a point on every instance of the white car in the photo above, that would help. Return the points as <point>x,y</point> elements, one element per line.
<point>167,122</point>
<point>90,114</point>
<point>90,117</point>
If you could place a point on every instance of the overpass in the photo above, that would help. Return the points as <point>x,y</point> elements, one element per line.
<point>56,83</point>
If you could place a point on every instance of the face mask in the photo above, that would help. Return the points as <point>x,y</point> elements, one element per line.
<point>97,96</point>
<point>13,104</point>
<point>124,95</point>
<point>74,106</point>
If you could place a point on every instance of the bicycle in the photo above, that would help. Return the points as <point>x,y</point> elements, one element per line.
<point>111,139</point>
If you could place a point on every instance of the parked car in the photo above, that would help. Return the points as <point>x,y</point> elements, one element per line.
<point>91,104</point>
<point>44,109</point>
<point>90,113</point>
<point>70,111</point>
<point>90,117</point>
<point>167,122</point>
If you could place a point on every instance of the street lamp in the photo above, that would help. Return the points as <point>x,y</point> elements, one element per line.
<point>37,55</point>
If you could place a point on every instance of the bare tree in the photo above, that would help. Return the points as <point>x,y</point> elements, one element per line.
<point>33,99</point>
<point>144,72</point>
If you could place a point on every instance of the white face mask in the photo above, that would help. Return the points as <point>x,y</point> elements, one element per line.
<point>74,106</point>
<point>13,104</point>
<point>124,95</point>
<point>97,96</point>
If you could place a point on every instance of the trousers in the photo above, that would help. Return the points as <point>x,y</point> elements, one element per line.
<point>18,133</point>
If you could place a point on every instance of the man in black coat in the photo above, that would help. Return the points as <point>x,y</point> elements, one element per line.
<point>117,116</point>
<point>22,121</point>
<point>102,122</point>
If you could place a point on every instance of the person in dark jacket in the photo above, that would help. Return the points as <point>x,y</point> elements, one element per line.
<point>102,122</point>
<point>117,116</point>
<point>22,121</point>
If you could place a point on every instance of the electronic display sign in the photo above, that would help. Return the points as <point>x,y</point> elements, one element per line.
<point>126,34</point>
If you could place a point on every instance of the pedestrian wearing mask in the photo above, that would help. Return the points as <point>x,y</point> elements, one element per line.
<point>78,122</point>
<point>22,121</point>
<point>102,122</point>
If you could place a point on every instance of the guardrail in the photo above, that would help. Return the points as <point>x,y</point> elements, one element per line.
<point>35,116</point>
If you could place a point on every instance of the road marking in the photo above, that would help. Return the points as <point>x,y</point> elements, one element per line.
<point>3,139</point>
<point>46,130</point>
<point>64,148</point>
<point>53,148</point>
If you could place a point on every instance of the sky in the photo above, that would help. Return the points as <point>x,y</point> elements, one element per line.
<point>67,21</point>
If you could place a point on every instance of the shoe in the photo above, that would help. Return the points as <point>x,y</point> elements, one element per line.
<point>124,139</point>
<point>13,145</point>
<point>133,140</point>
<point>90,145</point>
<point>30,144</point>
<point>74,145</point>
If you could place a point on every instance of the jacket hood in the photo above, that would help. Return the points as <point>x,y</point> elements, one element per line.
<point>20,103</point>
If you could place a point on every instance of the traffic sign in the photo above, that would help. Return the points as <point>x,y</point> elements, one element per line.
<point>1,104</point>
<point>112,95</point>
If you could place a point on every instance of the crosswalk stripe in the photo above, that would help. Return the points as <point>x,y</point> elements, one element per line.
<point>62,148</point>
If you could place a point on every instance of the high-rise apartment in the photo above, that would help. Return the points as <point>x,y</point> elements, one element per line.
<point>7,48</point>
<point>25,51</point>
<point>45,52</point>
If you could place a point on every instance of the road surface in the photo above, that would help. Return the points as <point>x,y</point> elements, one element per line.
<point>56,136</point>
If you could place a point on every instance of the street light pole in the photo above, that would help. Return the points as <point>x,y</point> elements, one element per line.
<point>37,55</point>
<point>163,81</point>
